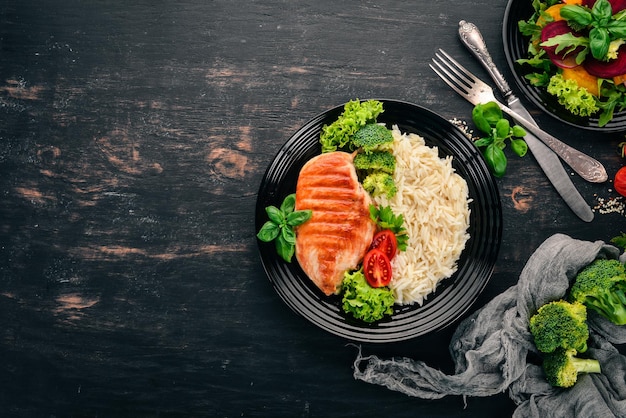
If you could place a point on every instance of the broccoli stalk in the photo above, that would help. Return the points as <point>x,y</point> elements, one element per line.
<point>601,286</point>
<point>562,367</point>
<point>560,324</point>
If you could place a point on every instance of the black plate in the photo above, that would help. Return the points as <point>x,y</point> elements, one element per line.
<point>515,47</point>
<point>454,296</point>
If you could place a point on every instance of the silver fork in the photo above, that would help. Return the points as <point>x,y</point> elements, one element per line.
<point>476,91</point>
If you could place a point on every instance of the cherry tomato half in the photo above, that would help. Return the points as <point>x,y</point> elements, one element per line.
<point>619,183</point>
<point>377,268</point>
<point>386,242</point>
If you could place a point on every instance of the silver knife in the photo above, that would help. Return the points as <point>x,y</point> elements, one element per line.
<point>546,158</point>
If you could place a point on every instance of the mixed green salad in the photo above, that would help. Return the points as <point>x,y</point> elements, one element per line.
<point>577,52</point>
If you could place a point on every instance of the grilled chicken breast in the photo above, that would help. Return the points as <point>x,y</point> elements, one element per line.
<point>340,230</point>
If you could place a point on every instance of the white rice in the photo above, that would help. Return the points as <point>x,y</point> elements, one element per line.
<point>434,201</point>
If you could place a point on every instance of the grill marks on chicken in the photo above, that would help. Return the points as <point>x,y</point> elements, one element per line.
<point>340,230</point>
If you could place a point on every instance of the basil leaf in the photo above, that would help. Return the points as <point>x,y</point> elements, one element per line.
<point>496,160</point>
<point>599,42</point>
<point>503,128</point>
<point>602,12</point>
<point>288,204</point>
<point>268,232</point>
<point>298,217</point>
<point>576,14</point>
<point>483,142</point>
<point>519,147</point>
<point>492,112</point>
<point>617,29</point>
<point>289,235</point>
<point>499,142</point>
<point>486,115</point>
<point>284,249</point>
<point>518,131</point>
<point>275,214</point>
<point>480,120</point>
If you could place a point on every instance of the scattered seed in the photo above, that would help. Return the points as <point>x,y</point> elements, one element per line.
<point>611,204</point>
<point>462,125</point>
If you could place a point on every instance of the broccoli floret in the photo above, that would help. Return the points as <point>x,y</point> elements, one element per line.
<point>601,286</point>
<point>380,183</point>
<point>363,301</point>
<point>376,161</point>
<point>372,137</point>
<point>562,367</point>
<point>560,324</point>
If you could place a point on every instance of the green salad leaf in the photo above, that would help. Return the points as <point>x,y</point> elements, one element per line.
<point>567,43</point>
<point>575,99</point>
<point>355,115</point>
<point>363,301</point>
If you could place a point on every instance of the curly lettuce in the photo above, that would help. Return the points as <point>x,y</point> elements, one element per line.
<point>363,301</point>
<point>576,99</point>
<point>355,115</point>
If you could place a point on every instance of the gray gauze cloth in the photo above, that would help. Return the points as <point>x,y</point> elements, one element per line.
<point>490,348</point>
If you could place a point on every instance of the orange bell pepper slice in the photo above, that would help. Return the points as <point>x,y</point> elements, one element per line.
<point>582,78</point>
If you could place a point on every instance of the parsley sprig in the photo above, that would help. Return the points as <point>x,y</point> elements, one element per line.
<point>386,219</point>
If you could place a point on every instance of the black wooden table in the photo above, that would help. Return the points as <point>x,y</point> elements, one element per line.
<point>133,139</point>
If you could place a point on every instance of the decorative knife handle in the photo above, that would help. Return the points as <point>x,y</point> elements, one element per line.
<point>587,167</point>
<point>473,39</point>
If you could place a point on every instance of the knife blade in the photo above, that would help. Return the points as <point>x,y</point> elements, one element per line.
<point>546,158</point>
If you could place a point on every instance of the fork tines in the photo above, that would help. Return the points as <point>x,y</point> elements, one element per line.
<point>453,73</point>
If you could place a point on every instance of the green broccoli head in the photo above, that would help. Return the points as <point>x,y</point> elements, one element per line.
<point>376,161</point>
<point>601,286</point>
<point>373,137</point>
<point>380,183</point>
<point>560,324</point>
<point>562,367</point>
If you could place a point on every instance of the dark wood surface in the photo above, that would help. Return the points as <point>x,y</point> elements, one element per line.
<point>133,139</point>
